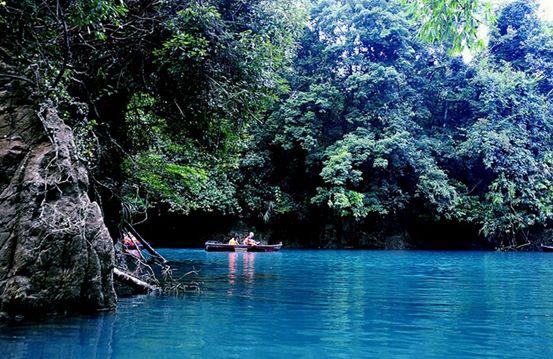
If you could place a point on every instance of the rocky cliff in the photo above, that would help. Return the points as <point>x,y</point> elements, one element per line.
<point>56,254</point>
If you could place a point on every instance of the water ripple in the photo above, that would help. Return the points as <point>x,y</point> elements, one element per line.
<point>319,304</point>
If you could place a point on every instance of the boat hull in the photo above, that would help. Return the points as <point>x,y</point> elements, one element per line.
<point>547,248</point>
<point>223,247</point>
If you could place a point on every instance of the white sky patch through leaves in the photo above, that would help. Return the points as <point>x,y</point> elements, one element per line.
<point>545,12</point>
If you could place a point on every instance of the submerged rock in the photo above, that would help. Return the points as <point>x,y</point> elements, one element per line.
<point>56,254</point>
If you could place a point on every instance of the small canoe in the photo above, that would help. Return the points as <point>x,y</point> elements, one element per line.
<point>547,248</point>
<point>212,246</point>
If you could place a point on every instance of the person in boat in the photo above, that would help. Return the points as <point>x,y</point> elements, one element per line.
<point>131,246</point>
<point>235,240</point>
<point>249,241</point>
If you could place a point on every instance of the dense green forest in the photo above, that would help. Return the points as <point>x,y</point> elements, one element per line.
<point>321,123</point>
<point>380,131</point>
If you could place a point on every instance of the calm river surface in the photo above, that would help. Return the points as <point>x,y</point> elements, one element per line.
<point>321,304</point>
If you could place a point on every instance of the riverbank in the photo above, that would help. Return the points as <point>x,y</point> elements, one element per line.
<point>193,231</point>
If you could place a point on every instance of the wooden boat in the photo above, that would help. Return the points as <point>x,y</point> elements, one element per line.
<point>547,248</point>
<point>212,246</point>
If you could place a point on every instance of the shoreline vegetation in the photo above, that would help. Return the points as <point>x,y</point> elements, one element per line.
<point>319,124</point>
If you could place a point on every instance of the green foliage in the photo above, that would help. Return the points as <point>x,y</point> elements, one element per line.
<point>165,170</point>
<point>454,23</point>
<point>237,107</point>
<point>378,127</point>
<point>45,32</point>
<point>187,40</point>
<point>360,120</point>
<point>521,40</point>
<point>511,139</point>
<point>217,70</point>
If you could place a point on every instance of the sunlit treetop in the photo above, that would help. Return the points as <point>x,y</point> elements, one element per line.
<point>452,23</point>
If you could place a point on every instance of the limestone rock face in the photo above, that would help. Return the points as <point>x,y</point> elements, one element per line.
<point>56,254</point>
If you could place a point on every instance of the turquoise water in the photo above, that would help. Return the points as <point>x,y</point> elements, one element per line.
<point>321,304</point>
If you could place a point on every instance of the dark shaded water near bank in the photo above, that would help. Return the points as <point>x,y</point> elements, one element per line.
<point>318,304</point>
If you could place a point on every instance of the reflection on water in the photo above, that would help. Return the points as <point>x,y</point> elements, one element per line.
<point>232,267</point>
<point>247,269</point>
<point>308,304</point>
<point>248,266</point>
